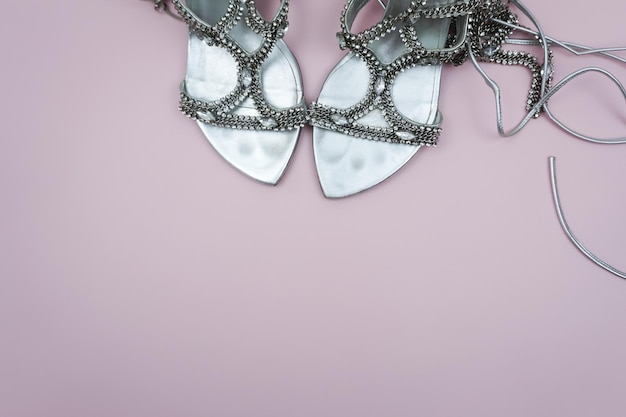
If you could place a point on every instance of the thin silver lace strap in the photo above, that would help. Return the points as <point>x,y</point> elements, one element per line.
<point>572,47</point>
<point>551,116</point>
<point>568,230</point>
<point>545,42</point>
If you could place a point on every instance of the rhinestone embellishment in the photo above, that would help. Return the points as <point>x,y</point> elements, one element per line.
<point>339,119</point>
<point>341,40</point>
<point>268,122</point>
<point>379,86</point>
<point>489,50</point>
<point>246,77</point>
<point>405,135</point>
<point>282,30</point>
<point>483,39</point>
<point>206,116</point>
<point>222,112</point>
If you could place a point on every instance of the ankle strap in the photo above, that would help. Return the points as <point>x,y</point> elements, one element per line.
<point>404,21</point>
<point>271,30</point>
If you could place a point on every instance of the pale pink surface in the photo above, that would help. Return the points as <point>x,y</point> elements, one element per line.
<point>141,276</point>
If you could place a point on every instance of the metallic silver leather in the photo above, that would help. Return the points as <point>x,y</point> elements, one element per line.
<point>568,230</point>
<point>347,165</point>
<point>212,74</point>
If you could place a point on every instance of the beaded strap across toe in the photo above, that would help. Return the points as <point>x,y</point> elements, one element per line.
<point>243,85</point>
<point>378,106</point>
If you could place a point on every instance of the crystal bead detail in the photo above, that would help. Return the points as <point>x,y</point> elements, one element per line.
<point>489,50</point>
<point>339,119</point>
<point>206,117</point>
<point>248,91</point>
<point>268,122</point>
<point>341,40</point>
<point>379,86</point>
<point>246,77</point>
<point>411,20</point>
<point>405,135</point>
<point>283,29</point>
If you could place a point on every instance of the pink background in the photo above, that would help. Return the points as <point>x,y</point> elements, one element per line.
<point>141,276</point>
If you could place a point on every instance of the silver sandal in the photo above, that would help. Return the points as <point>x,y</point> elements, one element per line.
<point>378,106</point>
<point>243,84</point>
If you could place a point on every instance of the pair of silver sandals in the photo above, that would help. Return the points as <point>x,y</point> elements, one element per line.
<point>378,106</point>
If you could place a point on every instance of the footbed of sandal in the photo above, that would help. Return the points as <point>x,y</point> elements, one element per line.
<point>212,73</point>
<point>347,164</point>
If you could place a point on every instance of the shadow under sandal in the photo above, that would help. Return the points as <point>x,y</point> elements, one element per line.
<point>378,106</point>
<point>243,84</point>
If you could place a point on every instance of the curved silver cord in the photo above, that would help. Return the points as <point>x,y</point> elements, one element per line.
<point>498,96</point>
<point>614,141</point>
<point>568,231</point>
<point>543,103</point>
<point>572,47</point>
<point>545,41</point>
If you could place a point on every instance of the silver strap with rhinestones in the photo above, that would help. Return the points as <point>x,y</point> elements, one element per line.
<point>249,64</point>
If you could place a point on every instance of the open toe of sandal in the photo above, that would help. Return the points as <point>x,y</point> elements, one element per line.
<point>243,84</point>
<point>378,106</point>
